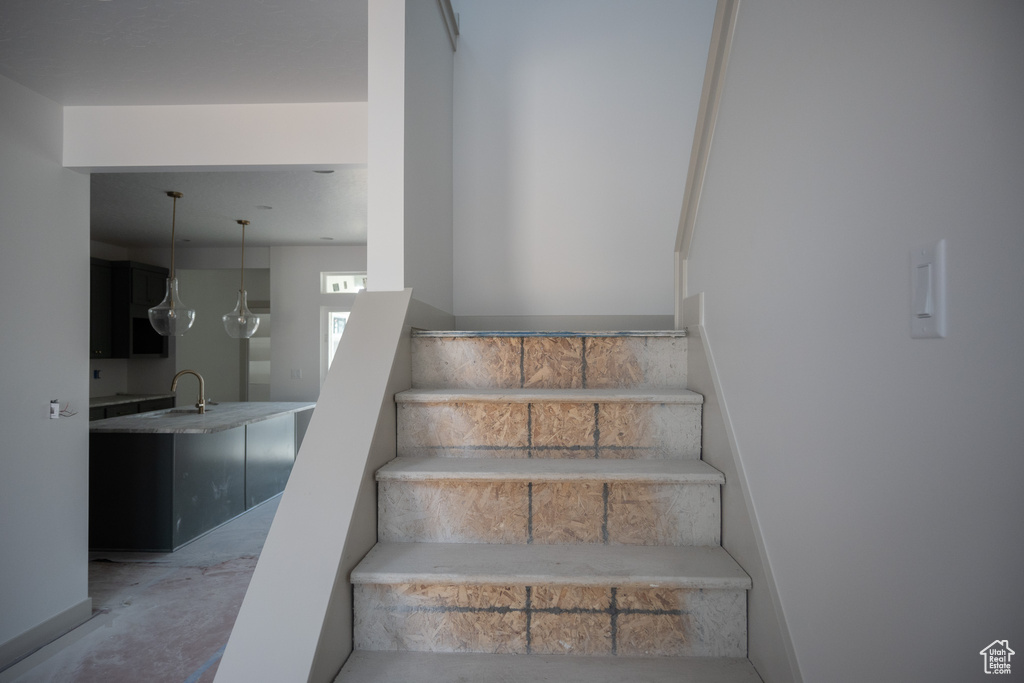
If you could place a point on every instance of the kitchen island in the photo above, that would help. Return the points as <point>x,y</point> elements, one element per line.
<point>161,479</point>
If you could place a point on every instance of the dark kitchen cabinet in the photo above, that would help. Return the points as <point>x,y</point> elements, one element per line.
<point>158,491</point>
<point>100,280</point>
<point>122,294</point>
<point>130,407</point>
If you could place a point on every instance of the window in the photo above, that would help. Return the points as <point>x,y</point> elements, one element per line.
<point>342,283</point>
<point>334,316</point>
<point>336,321</point>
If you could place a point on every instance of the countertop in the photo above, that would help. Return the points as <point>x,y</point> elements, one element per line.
<point>118,399</point>
<point>186,420</point>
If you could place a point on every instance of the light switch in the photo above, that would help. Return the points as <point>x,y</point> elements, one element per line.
<point>928,291</point>
<point>923,295</point>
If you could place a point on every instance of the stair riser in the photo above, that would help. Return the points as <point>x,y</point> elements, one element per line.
<point>548,512</point>
<point>545,430</point>
<point>550,362</point>
<point>581,620</point>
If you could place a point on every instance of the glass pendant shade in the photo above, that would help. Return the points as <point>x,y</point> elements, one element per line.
<point>171,317</point>
<point>241,323</point>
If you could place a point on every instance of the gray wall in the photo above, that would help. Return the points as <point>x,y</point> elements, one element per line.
<point>885,472</point>
<point>44,339</point>
<point>573,121</point>
<point>769,647</point>
<point>296,301</point>
<point>428,155</point>
<point>207,348</point>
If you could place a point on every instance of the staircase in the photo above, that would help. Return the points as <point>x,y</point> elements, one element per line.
<point>548,518</point>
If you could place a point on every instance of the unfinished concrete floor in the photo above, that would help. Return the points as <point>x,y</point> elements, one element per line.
<point>157,617</point>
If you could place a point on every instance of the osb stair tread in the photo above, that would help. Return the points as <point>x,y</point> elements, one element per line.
<point>550,469</point>
<point>708,567</point>
<point>625,395</point>
<point>425,667</point>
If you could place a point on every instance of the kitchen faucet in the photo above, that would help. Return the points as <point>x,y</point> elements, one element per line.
<point>201,406</point>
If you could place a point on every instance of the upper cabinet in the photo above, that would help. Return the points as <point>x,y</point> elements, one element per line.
<point>147,285</point>
<point>122,294</point>
<point>99,309</point>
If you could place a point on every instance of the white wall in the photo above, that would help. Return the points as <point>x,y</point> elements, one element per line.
<point>769,647</point>
<point>573,123</point>
<point>428,155</point>
<point>203,137</point>
<point>207,348</point>
<point>885,472</point>
<point>296,300</point>
<point>44,464</point>
<point>385,141</point>
<point>409,181</point>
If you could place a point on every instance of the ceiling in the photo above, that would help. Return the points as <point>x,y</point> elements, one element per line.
<point>118,52</point>
<point>307,208</point>
<point>155,52</point>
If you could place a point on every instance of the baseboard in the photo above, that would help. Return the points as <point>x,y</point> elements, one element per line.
<point>21,646</point>
<point>564,323</point>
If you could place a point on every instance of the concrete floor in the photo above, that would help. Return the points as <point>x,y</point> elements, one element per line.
<point>157,617</point>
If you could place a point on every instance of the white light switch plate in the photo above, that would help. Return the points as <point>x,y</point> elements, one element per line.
<point>928,291</point>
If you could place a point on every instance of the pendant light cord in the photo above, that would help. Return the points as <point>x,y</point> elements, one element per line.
<point>174,216</point>
<point>243,223</point>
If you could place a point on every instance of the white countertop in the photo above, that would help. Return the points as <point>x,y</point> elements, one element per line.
<point>185,420</point>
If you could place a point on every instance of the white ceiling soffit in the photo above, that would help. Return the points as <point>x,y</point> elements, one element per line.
<point>139,52</point>
<point>133,209</point>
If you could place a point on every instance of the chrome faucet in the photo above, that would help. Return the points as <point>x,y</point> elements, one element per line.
<point>201,406</point>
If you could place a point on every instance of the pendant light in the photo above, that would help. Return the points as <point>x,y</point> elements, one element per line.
<point>171,317</point>
<point>241,323</point>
